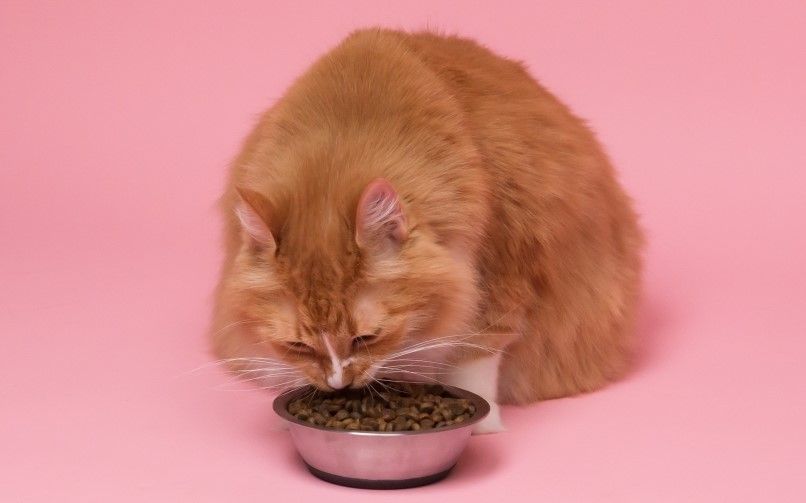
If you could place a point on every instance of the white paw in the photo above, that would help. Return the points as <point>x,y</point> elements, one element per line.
<point>490,424</point>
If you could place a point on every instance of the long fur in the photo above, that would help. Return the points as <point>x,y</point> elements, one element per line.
<point>519,238</point>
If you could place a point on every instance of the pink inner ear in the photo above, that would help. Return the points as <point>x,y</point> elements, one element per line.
<point>251,221</point>
<point>380,215</point>
<point>253,224</point>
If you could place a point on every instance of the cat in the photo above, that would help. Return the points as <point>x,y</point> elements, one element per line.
<point>416,207</point>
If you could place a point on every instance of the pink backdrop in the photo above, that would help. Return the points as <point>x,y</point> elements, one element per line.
<point>117,122</point>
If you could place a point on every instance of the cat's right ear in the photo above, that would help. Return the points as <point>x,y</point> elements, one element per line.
<point>380,219</point>
<point>254,213</point>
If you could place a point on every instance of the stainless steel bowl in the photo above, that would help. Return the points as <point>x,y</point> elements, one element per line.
<point>380,460</point>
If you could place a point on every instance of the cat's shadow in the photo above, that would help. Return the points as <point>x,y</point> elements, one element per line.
<point>481,458</point>
<point>654,320</point>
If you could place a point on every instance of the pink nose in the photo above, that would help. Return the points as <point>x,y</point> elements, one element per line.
<point>337,381</point>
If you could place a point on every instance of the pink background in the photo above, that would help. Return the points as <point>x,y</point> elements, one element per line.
<point>117,122</point>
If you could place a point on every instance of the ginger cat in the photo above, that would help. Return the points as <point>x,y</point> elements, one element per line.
<point>417,208</point>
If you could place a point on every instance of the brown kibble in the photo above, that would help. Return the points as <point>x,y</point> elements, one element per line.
<point>457,408</point>
<point>400,423</point>
<point>404,407</point>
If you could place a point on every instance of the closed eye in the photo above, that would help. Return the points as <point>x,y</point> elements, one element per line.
<point>299,347</point>
<point>364,340</point>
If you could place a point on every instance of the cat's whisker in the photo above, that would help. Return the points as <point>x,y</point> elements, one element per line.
<point>281,390</point>
<point>291,382</point>
<point>432,380</point>
<point>311,396</point>
<point>417,371</point>
<point>415,360</point>
<point>254,362</point>
<point>452,344</point>
<point>458,338</point>
<point>461,338</point>
<point>372,390</point>
<point>224,361</point>
<point>443,338</point>
<point>253,359</point>
<point>386,387</point>
<point>469,335</point>
<point>283,383</point>
<point>394,369</point>
<point>233,325</point>
<point>266,377</point>
<point>419,366</point>
<point>269,371</point>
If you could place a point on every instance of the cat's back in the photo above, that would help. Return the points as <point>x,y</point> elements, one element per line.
<point>543,159</point>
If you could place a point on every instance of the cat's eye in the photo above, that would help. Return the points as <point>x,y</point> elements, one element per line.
<point>364,340</point>
<point>299,347</point>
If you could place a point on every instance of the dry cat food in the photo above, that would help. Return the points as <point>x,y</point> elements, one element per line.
<point>400,407</point>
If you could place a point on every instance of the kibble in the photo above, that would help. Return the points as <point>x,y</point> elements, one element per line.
<point>400,407</point>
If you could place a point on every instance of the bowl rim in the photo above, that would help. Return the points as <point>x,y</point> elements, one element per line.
<point>280,406</point>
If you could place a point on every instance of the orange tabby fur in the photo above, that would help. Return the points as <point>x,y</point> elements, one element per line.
<point>514,227</point>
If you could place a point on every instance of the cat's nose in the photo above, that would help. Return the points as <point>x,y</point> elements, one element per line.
<point>337,380</point>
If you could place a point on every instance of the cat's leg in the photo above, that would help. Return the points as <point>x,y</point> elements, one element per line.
<point>570,347</point>
<point>480,376</point>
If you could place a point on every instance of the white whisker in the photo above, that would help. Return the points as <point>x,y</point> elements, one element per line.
<point>429,362</point>
<point>414,369</point>
<point>270,372</point>
<point>445,345</point>
<point>286,384</point>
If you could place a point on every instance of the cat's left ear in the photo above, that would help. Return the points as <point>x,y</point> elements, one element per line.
<point>380,221</point>
<point>254,213</point>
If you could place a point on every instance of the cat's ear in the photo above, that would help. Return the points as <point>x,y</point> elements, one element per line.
<point>254,212</point>
<point>380,221</point>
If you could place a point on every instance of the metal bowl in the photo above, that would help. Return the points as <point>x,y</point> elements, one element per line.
<point>380,460</point>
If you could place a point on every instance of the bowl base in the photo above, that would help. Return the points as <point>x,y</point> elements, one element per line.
<point>378,484</point>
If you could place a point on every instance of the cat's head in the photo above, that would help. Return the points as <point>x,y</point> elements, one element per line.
<point>313,296</point>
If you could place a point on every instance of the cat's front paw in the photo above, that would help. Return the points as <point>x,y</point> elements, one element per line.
<point>490,424</point>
